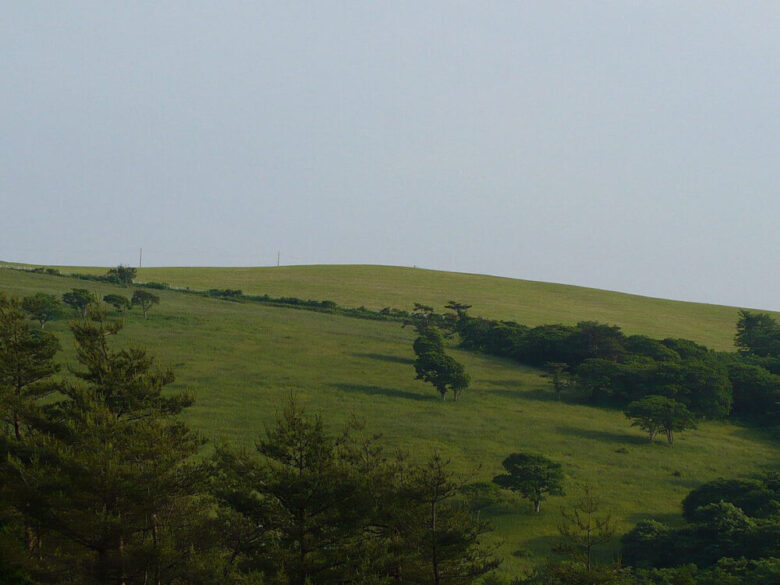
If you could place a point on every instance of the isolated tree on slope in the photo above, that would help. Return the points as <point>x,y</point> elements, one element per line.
<point>533,476</point>
<point>41,307</point>
<point>658,413</point>
<point>145,299</point>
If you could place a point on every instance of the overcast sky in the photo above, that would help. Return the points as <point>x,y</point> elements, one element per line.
<point>631,146</point>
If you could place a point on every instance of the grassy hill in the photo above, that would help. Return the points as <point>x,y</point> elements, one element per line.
<point>243,359</point>
<point>528,302</point>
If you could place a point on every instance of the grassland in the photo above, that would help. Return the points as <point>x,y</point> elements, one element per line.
<point>527,302</point>
<point>243,359</point>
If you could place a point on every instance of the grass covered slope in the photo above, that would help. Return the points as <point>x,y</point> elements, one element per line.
<point>243,359</point>
<point>527,302</point>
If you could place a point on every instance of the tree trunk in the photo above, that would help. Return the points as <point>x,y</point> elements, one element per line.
<point>537,505</point>
<point>436,576</point>
<point>670,436</point>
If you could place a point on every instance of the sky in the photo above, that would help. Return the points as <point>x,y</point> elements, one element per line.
<point>621,145</point>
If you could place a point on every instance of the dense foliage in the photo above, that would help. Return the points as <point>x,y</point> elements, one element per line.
<point>608,367</point>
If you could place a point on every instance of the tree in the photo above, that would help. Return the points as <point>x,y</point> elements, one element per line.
<point>432,364</point>
<point>79,299</point>
<point>323,493</point>
<point>121,274</point>
<point>106,481</point>
<point>754,497</point>
<point>41,307</point>
<point>534,476</point>
<point>145,299</point>
<point>26,364</point>
<point>758,333</point>
<point>654,413</point>
<point>443,371</point>
<point>557,371</point>
<point>582,527</point>
<point>442,532</point>
<point>120,303</point>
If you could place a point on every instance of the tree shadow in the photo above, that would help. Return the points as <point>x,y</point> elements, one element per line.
<point>756,433</point>
<point>506,383</point>
<point>668,518</point>
<point>606,436</point>
<point>539,395</point>
<point>385,358</point>
<point>379,391</point>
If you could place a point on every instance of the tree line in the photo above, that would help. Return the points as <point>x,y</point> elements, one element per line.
<point>608,367</point>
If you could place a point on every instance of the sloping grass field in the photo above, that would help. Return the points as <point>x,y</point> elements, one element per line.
<point>243,360</point>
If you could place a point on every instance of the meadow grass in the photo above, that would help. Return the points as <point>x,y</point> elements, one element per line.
<point>527,302</point>
<point>243,360</point>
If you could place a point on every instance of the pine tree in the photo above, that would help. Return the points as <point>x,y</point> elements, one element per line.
<point>105,479</point>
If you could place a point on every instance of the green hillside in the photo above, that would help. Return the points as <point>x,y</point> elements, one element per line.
<point>243,359</point>
<point>527,302</point>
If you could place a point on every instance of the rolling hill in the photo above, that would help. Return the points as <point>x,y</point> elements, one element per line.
<point>244,359</point>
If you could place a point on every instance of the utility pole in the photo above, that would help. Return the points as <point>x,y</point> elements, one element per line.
<point>140,257</point>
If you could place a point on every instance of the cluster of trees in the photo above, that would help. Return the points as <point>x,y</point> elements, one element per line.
<point>658,413</point>
<point>81,299</point>
<point>100,484</point>
<point>432,364</point>
<point>609,367</point>
<point>725,519</point>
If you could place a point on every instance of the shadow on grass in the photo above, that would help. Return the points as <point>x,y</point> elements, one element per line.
<point>540,395</point>
<point>618,438</point>
<point>670,519</point>
<point>379,391</point>
<point>507,383</point>
<point>385,358</point>
<point>757,433</point>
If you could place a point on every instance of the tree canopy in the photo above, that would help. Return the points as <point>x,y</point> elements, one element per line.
<point>658,413</point>
<point>146,300</point>
<point>533,476</point>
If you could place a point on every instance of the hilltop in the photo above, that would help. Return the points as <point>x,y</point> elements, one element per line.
<point>524,301</point>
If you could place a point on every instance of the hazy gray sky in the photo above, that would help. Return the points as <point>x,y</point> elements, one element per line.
<point>630,146</point>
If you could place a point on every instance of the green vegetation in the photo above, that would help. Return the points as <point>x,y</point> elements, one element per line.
<point>433,365</point>
<point>534,476</point>
<point>145,300</point>
<point>658,413</point>
<point>531,303</point>
<point>242,359</point>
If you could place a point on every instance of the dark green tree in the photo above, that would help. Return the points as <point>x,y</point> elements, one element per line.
<point>42,307</point>
<point>758,333</point>
<point>557,372</point>
<point>145,299</point>
<point>105,482</point>
<point>583,527</point>
<point>442,535</point>
<point>533,476</point>
<point>79,299</point>
<point>26,366</point>
<point>443,371</point>
<point>121,274</point>
<point>658,413</point>
<point>315,488</point>
<point>753,496</point>
<point>120,303</point>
